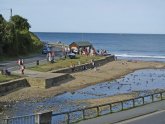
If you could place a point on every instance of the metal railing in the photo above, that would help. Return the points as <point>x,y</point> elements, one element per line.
<point>28,119</point>
<point>91,112</point>
<point>99,110</point>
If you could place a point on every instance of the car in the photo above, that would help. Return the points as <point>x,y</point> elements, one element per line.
<point>75,51</point>
<point>72,55</point>
<point>45,50</point>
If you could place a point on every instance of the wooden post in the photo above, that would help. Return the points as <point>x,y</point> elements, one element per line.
<point>43,118</point>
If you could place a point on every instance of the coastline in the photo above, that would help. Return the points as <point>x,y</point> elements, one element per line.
<point>110,71</point>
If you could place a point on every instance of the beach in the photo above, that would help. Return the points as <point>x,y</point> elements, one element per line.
<point>110,71</point>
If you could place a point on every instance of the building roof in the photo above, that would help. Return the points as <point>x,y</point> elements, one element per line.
<point>82,43</point>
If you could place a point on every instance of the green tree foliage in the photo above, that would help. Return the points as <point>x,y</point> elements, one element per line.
<point>20,22</point>
<point>15,37</point>
<point>2,28</point>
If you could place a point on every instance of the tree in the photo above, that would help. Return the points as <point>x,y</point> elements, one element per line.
<point>20,22</point>
<point>15,37</point>
<point>2,33</point>
<point>2,28</point>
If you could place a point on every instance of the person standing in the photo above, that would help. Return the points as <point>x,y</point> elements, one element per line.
<point>20,62</point>
<point>22,69</point>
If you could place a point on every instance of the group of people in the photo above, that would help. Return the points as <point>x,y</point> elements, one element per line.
<point>20,62</point>
<point>102,52</point>
<point>87,51</point>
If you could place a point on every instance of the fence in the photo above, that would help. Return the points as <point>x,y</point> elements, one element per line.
<point>89,112</point>
<point>29,119</point>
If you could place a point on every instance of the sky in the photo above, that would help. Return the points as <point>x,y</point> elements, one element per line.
<point>92,16</point>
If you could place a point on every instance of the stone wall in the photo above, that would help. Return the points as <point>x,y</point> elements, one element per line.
<point>54,81</point>
<point>47,82</point>
<point>86,66</point>
<point>12,85</point>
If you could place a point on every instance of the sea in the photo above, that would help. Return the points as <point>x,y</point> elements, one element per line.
<point>146,47</point>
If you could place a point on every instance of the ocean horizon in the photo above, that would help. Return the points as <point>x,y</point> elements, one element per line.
<point>98,33</point>
<point>147,47</point>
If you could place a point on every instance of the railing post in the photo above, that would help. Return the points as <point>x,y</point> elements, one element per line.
<point>161,96</point>
<point>133,102</point>
<point>122,106</point>
<point>6,121</point>
<point>43,118</point>
<point>152,98</point>
<point>143,99</point>
<point>97,110</point>
<point>110,108</point>
<point>68,116</point>
<point>83,114</point>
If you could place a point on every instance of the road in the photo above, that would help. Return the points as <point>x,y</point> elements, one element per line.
<point>135,115</point>
<point>28,61</point>
<point>153,118</point>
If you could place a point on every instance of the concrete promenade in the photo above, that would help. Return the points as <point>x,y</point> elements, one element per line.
<point>124,116</point>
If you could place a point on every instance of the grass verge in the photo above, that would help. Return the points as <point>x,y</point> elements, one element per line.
<point>63,63</point>
<point>4,78</point>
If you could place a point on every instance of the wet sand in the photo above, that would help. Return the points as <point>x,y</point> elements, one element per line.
<point>111,99</point>
<point>107,72</point>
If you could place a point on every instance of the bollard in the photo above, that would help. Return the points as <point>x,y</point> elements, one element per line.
<point>37,62</point>
<point>43,118</point>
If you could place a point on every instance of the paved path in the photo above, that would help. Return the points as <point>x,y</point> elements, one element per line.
<point>12,65</point>
<point>129,114</point>
<point>28,61</point>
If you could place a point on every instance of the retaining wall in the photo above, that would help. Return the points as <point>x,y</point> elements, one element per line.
<point>47,82</point>
<point>85,66</point>
<point>12,85</point>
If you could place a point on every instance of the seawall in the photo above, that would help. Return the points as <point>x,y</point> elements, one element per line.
<point>85,66</point>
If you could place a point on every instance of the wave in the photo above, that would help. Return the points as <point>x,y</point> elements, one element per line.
<point>140,56</point>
